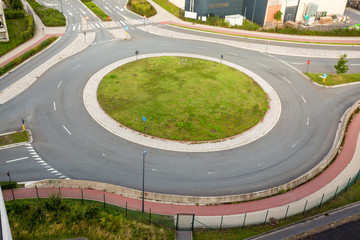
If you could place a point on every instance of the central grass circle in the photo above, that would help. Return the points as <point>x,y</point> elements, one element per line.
<point>182,98</point>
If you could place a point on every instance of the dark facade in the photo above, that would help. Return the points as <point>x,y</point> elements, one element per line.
<point>228,7</point>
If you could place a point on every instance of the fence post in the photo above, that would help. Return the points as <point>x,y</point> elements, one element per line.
<point>82,196</point>
<point>104,200</point>
<point>357,176</point>
<point>59,192</point>
<point>336,192</point>
<point>244,221</point>
<point>37,193</point>
<point>267,212</point>
<point>305,207</point>
<point>150,217</point>
<point>126,209</point>
<point>347,186</point>
<point>287,209</point>
<point>222,216</point>
<point>322,198</point>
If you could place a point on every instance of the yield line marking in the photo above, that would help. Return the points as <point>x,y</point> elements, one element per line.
<point>303,98</point>
<point>54,106</point>
<point>286,79</point>
<point>67,130</point>
<point>18,159</point>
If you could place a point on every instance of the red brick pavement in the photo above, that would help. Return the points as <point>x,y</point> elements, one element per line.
<point>304,190</point>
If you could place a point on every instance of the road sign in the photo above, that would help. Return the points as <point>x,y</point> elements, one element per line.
<point>87,18</point>
<point>108,18</point>
<point>144,118</point>
<point>23,121</point>
<point>126,27</point>
<point>325,75</point>
<point>308,61</point>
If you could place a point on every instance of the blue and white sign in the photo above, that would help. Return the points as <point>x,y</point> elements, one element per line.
<point>126,27</point>
<point>325,75</point>
<point>144,119</point>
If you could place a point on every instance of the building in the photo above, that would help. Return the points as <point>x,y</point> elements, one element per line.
<point>262,11</point>
<point>4,36</point>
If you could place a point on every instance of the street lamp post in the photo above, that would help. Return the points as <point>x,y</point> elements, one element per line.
<point>143,183</point>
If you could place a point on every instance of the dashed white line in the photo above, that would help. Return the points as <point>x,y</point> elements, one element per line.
<point>82,11</point>
<point>261,64</point>
<point>74,28</point>
<point>155,170</point>
<point>18,159</point>
<point>59,84</point>
<point>294,145</point>
<point>232,54</point>
<point>54,106</point>
<point>355,64</point>
<point>50,169</point>
<point>286,79</point>
<point>122,22</point>
<point>35,156</point>
<point>210,173</point>
<point>308,121</point>
<point>303,98</point>
<point>77,67</point>
<point>297,63</point>
<point>54,171</point>
<point>66,129</point>
<point>69,12</point>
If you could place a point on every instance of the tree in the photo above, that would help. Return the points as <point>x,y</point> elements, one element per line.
<point>341,66</point>
<point>17,5</point>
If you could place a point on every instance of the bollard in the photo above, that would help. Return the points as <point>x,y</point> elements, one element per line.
<point>287,210</point>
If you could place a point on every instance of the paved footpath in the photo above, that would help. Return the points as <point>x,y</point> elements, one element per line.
<point>343,159</point>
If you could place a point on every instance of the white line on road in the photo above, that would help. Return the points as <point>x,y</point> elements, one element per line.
<point>210,173</point>
<point>77,67</point>
<point>355,64</point>
<point>232,54</point>
<point>74,28</point>
<point>82,11</point>
<point>66,129</point>
<point>35,156</point>
<point>18,159</point>
<point>59,84</point>
<point>155,170</point>
<point>54,106</point>
<point>50,169</point>
<point>303,98</point>
<point>286,79</point>
<point>54,171</point>
<point>308,121</point>
<point>297,63</point>
<point>69,12</point>
<point>261,64</point>
<point>122,23</point>
<point>294,145</point>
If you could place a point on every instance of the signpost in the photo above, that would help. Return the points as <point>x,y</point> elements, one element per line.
<point>87,22</point>
<point>307,67</point>
<point>144,119</point>
<point>126,28</point>
<point>23,124</point>
<point>222,56</point>
<point>108,18</point>
<point>324,77</point>
<point>137,54</point>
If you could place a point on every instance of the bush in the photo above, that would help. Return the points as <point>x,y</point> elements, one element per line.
<point>14,14</point>
<point>17,5</point>
<point>277,15</point>
<point>29,33</point>
<point>341,66</point>
<point>142,7</point>
<point>8,185</point>
<point>49,16</point>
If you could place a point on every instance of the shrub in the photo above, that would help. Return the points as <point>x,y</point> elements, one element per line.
<point>142,7</point>
<point>14,14</point>
<point>17,5</point>
<point>8,185</point>
<point>49,16</point>
<point>341,66</point>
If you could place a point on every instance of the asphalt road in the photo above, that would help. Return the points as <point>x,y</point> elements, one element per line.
<point>70,141</point>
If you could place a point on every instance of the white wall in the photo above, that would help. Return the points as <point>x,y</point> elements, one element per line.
<point>329,6</point>
<point>178,3</point>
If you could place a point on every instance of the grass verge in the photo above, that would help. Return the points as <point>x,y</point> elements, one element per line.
<point>57,218</point>
<point>27,55</point>
<point>182,98</point>
<point>12,138</point>
<point>49,16</point>
<point>171,8</point>
<point>95,9</point>
<point>141,7</point>
<point>334,79</point>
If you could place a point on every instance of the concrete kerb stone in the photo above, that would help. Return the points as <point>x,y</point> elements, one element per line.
<point>192,200</point>
<point>25,82</point>
<point>262,128</point>
<point>17,144</point>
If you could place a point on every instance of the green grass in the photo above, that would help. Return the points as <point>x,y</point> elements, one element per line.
<point>17,137</point>
<point>98,12</point>
<point>183,98</point>
<point>141,7</point>
<point>171,8</point>
<point>57,218</point>
<point>49,16</point>
<point>15,27</point>
<point>334,79</point>
<point>351,196</point>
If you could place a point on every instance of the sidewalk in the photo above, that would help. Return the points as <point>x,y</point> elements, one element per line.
<point>39,36</point>
<point>165,17</point>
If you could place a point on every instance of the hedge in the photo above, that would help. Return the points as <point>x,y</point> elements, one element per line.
<point>49,16</point>
<point>14,14</point>
<point>8,185</point>
<point>26,55</point>
<point>142,7</point>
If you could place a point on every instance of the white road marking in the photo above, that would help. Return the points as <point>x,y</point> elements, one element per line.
<point>232,54</point>
<point>259,164</point>
<point>74,28</point>
<point>57,174</point>
<point>54,171</point>
<point>261,64</point>
<point>31,150</point>
<point>66,129</point>
<point>18,159</point>
<point>104,154</point>
<point>30,147</point>
<point>33,153</point>
<point>286,79</point>
<point>118,13</point>
<point>122,9</point>
<point>50,169</point>
<point>35,156</point>
<point>69,12</point>
<point>59,84</point>
<point>97,25</point>
<point>62,176</point>
<point>355,64</point>
<point>77,67</point>
<point>43,164</point>
<point>54,106</point>
<point>155,170</point>
<point>294,145</point>
<point>37,159</point>
<point>210,173</point>
<point>117,7</point>
<point>303,98</point>
<point>82,11</point>
<point>122,22</point>
<point>297,63</point>
<point>308,121</point>
<point>101,24</point>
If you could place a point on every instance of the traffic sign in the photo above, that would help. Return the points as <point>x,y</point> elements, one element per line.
<point>108,18</point>
<point>308,61</point>
<point>126,27</point>
<point>23,121</point>
<point>325,75</point>
<point>144,118</point>
<point>87,18</point>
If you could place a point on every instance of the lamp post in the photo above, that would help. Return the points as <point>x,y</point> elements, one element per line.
<point>143,183</point>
